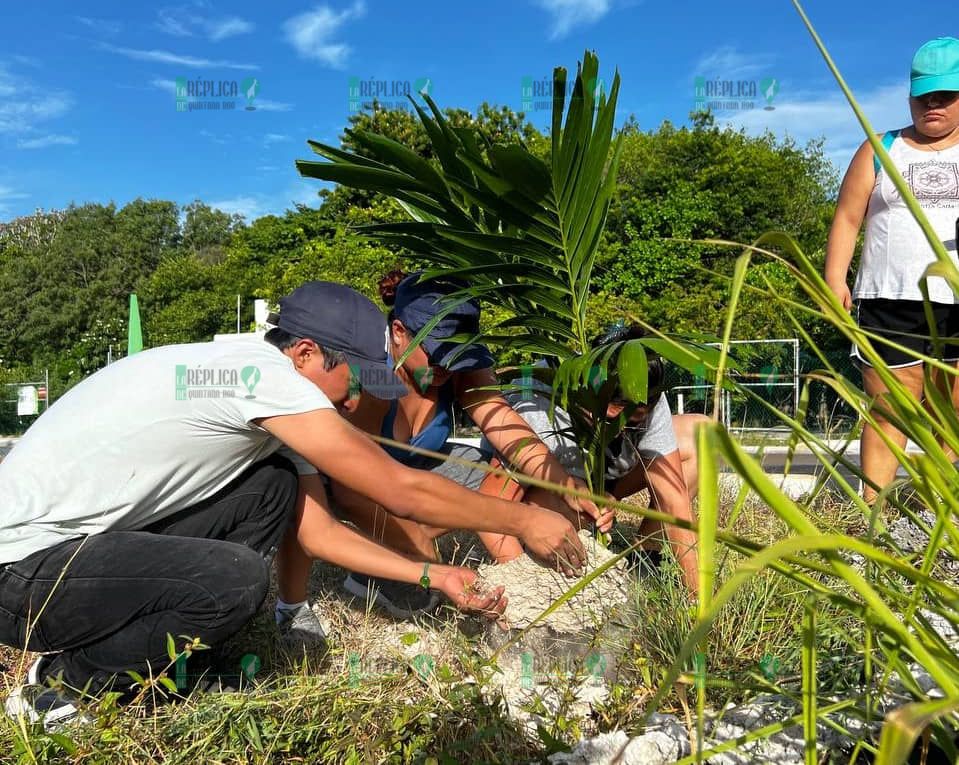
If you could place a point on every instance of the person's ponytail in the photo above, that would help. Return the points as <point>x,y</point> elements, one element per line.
<point>388,284</point>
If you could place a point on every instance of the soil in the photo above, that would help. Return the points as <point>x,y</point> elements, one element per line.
<point>532,588</point>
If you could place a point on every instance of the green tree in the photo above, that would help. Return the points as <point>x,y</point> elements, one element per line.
<point>703,182</point>
<point>490,124</point>
<point>207,231</point>
<point>63,275</point>
<point>520,233</point>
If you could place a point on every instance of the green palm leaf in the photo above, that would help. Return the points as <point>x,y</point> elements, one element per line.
<point>520,233</point>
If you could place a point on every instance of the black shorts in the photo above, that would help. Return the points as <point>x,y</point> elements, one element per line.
<point>904,322</point>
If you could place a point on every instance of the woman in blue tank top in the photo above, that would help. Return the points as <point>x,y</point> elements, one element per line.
<point>437,374</point>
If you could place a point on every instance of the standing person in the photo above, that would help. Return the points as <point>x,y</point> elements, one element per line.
<point>647,454</point>
<point>149,500</point>
<point>895,253</point>
<point>437,374</point>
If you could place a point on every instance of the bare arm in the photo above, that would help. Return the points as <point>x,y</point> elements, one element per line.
<point>850,212</point>
<point>325,538</point>
<point>342,452</point>
<point>512,437</point>
<point>667,488</point>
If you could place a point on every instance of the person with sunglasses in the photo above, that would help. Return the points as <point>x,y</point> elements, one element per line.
<point>655,451</point>
<point>887,295</point>
<point>437,373</point>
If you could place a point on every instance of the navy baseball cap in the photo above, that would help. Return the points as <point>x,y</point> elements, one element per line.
<point>340,318</point>
<point>418,302</point>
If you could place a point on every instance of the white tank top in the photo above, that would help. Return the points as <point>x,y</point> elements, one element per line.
<point>896,252</point>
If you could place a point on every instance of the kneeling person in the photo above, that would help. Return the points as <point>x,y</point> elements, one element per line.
<point>647,454</point>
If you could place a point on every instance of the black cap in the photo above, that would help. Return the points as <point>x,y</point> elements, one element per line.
<point>417,302</point>
<point>340,318</point>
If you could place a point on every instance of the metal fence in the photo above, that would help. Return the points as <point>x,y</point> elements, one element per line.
<point>23,402</point>
<point>768,373</point>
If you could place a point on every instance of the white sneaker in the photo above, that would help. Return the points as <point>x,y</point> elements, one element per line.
<point>301,630</point>
<point>56,707</point>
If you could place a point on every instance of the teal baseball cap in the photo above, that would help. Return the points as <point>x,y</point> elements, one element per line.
<point>935,67</point>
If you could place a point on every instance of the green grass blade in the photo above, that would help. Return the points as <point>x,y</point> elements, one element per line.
<point>903,726</point>
<point>809,689</point>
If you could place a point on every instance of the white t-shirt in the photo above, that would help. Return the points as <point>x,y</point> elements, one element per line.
<point>895,252</point>
<point>656,438</point>
<point>144,438</point>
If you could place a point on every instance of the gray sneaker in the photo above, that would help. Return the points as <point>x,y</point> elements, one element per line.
<point>301,630</point>
<point>35,702</point>
<point>400,599</point>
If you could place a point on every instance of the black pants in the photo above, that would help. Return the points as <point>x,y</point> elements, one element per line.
<point>202,573</point>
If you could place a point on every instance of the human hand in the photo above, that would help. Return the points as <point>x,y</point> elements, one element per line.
<point>467,593</point>
<point>602,517</point>
<point>841,290</point>
<point>552,538</point>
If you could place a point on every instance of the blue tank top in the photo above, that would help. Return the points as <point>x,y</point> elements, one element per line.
<point>432,437</point>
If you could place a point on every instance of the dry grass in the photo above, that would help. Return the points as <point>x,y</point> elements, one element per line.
<point>392,691</point>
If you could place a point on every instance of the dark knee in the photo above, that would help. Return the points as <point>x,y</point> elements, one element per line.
<point>237,587</point>
<point>284,482</point>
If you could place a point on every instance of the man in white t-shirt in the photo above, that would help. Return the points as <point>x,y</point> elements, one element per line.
<point>150,499</point>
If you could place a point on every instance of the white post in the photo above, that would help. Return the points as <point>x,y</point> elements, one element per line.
<point>238,314</point>
<point>680,403</point>
<point>46,387</point>
<point>795,376</point>
<point>260,314</point>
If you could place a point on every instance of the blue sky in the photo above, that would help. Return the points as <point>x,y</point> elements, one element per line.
<point>88,105</point>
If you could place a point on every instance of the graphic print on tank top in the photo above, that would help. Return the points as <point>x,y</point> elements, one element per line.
<point>934,183</point>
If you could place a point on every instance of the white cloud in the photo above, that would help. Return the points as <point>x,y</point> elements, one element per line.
<point>808,115</point>
<point>249,207</point>
<point>183,21</point>
<point>220,29</point>
<point>266,105</point>
<point>571,13</point>
<point>166,57</point>
<point>311,33</point>
<point>271,138</point>
<point>220,139</point>
<point>108,27</point>
<point>253,206</point>
<point>7,195</point>
<point>24,104</point>
<point>171,23</point>
<point>43,142</point>
<point>167,85</point>
<point>727,63</point>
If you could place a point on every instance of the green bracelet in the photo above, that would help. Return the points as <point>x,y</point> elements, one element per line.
<point>425,579</point>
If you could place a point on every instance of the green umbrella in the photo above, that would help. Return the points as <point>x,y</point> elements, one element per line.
<point>134,335</point>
